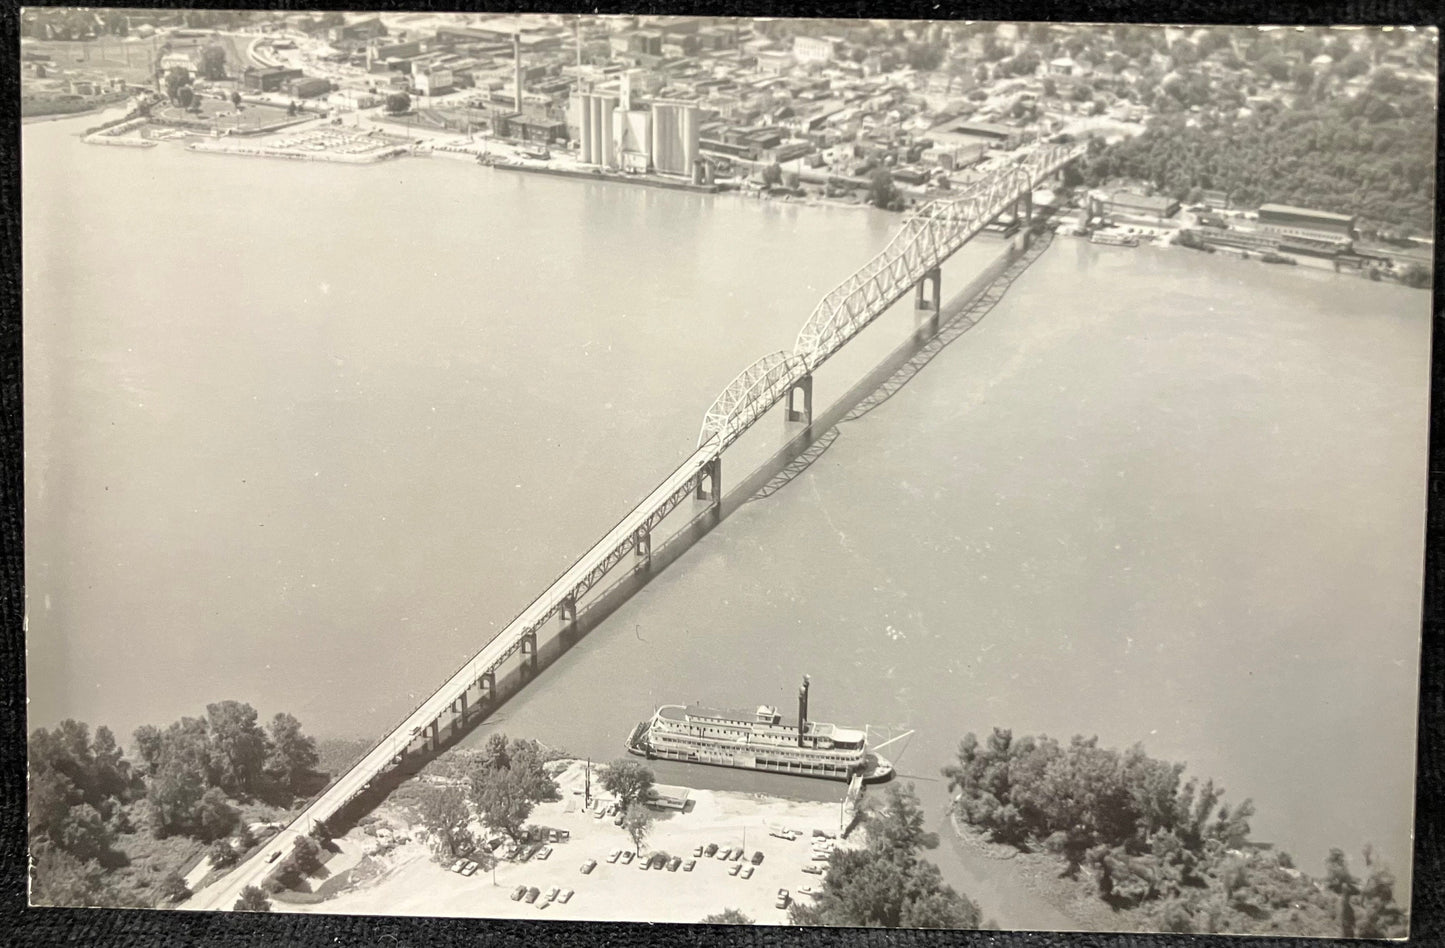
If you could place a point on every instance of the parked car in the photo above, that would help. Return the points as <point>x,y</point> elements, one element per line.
<point>532,894</point>
<point>551,836</point>
<point>457,866</point>
<point>747,872</point>
<point>588,866</point>
<point>737,854</point>
<point>553,892</point>
<point>544,852</point>
<point>689,865</point>
<point>782,902</point>
<point>711,848</point>
<point>470,868</point>
<point>566,895</point>
<point>618,820</point>
<point>734,868</point>
<point>614,855</point>
<point>813,868</point>
<point>626,857</point>
<point>673,863</point>
<point>758,858</point>
<point>725,854</point>
<point>809,890</point>
<point>518,892</point>
<point>644,863</point>
<point>659,860</point>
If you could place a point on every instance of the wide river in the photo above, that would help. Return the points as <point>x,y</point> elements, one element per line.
<point>306,435</point>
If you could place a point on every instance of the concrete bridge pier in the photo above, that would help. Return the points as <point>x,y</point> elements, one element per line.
<point>487,685</point>
<point>790,406</point>
<point>460,709</point>
<point>709,485</point>
<point>529,648</point>
<point>433,736</point>
<point>931,303</point>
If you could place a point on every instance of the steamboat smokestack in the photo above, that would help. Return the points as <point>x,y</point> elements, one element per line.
<point>802,710</point>
<point>517,66</point>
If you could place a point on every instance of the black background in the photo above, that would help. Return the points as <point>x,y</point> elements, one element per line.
<point>21,925</point>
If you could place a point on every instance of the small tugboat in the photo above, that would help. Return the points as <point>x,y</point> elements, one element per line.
<point>759,740</point>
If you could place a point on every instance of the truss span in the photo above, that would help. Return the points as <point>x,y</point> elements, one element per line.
<point>924,241</point>
<point>747,397</point>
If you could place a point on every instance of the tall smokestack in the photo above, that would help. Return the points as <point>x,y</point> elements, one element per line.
<point>517,61</point>
<point>802,710</point>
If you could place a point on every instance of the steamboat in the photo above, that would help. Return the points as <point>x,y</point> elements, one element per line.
<point>759,740</point>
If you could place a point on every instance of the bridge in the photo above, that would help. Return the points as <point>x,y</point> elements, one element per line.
<point>912,259</point>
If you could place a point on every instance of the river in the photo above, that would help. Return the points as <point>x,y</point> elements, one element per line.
<point>306,435</point>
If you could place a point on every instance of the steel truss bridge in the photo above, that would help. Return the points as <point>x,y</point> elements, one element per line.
<point>926,238</point>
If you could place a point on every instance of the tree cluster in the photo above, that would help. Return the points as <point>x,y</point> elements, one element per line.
<point>1371,154</point>
<point>1151,840</point>
<point>887,884</point>
<point>508,783</point>
<point>195,764</point>
<point>79,786</point>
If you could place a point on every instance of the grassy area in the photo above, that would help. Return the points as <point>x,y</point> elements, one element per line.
<point>132,62</point>
<point>221,114</point>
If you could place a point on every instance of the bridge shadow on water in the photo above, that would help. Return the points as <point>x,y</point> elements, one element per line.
<point>961,314</point>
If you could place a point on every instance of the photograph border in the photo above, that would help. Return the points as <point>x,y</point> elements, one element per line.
<point>21,924</point>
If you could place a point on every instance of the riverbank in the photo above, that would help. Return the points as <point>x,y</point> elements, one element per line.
<point>398,876</point>
<point>648,180</point>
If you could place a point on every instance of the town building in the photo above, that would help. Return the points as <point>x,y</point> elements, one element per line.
<point>1130,204</point>
<point>1309,229</point>
<point>307,87</point>
<point>815,49</point>
<point>432,79</point>
<point>272,79</point>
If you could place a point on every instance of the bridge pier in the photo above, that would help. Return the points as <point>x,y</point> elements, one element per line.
<point>433,736</point>
<point>567,612</point>
<point>790,405</point>
<point>529,648</point>
<point>459,708</point>
<point>709,485</point>
<point>931,303</point>
<point>642,546</point>
<point>487,684</point>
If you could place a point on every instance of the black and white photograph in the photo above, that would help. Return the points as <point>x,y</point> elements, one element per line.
<point>924,474</point>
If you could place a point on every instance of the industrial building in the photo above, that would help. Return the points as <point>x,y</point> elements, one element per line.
<point>1306,228</point>
<point>674,137</point>
<point>268,80</point>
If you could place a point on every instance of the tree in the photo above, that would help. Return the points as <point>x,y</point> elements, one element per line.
<point>172,797</point>
<point>627,780</point>
<point>235,98</point>
<point>882,192</point>
<point>772,175</point>
<point>222,854</point>
<point>148,743</point>
<point>443,811</point>
<point>58,878</point>
<point>252,900</point>
<point>505,789</point>
<point>177,78</point>
<point>306,855</point>
<point>213,817</point>
<point>398,102</point>
<point>241,746</point>
<point>886,884</point>
<point>173,888</point>
<point>728,917</point>
<point>213,62</point>
<point>637,823</point>
<point>293,756</point>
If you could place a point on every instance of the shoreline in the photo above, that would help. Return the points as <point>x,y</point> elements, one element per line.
<point>644,180</point>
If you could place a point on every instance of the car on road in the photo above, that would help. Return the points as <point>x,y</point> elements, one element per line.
<point>733,869</point>
<point>711,848</point>
<point>689,865</point>
<point>274,856</point>
<point>747,872</point>
<point>532,894</point>
<point>673,863</point>
<point>758,858</point>
<point>553,892</point>
<point>588,866</point>
<point>518,892</point>
<point>626,857</point>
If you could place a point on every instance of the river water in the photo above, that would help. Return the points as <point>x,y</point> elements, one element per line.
<point>306,435</point>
